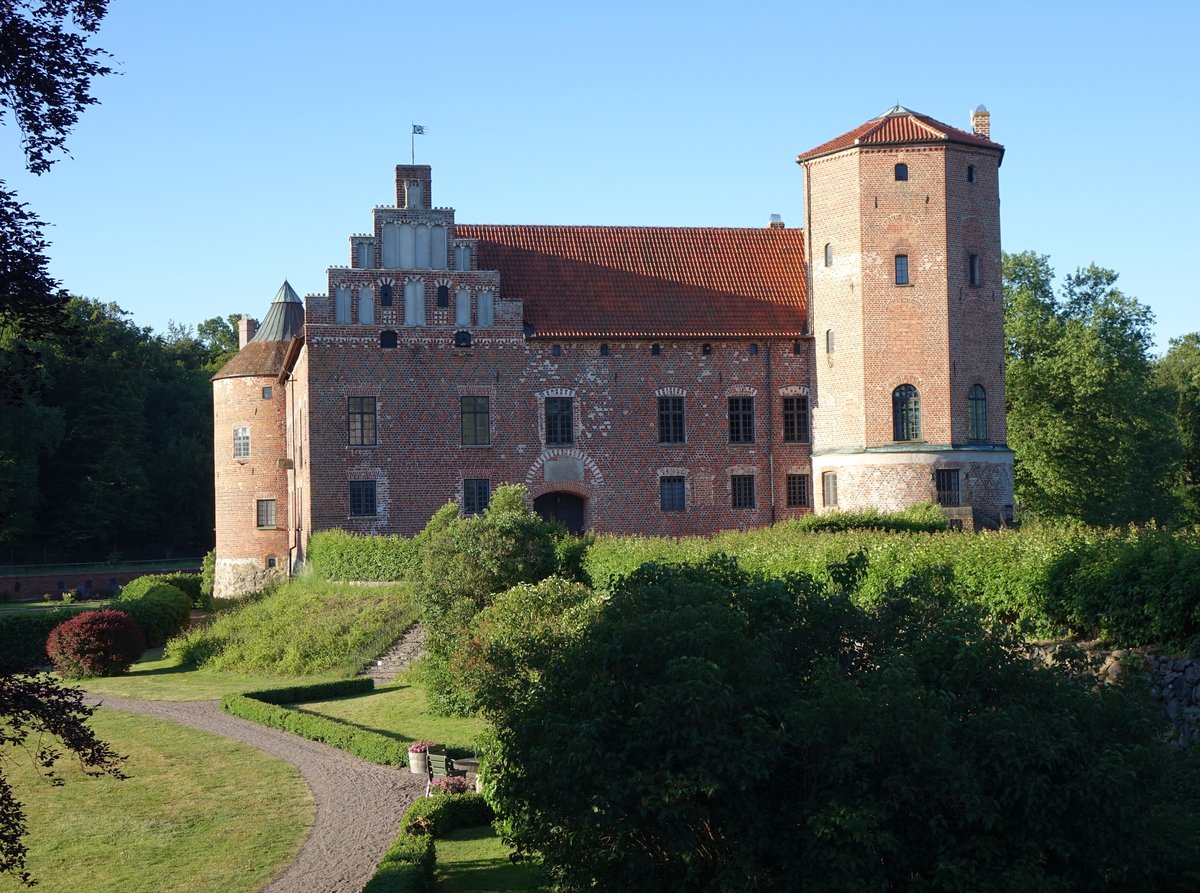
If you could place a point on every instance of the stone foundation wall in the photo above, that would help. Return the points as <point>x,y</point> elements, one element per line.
<point>236,577</point>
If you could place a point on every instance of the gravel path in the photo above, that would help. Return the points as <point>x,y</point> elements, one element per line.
<point>358,804</point>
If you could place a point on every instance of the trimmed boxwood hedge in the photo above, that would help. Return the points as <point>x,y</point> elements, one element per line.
<point>339,555</point>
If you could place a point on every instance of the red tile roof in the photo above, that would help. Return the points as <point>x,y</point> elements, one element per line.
<point>899,125</point>
<point>256,358</point>
<point>635,282</point>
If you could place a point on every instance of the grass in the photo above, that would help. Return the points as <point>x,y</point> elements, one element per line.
<point>400,711</point>
<point>306,626</point>
<point>156,678</point>
<point>199,813</point>
<point>475,860</point>
<point>36,607</point>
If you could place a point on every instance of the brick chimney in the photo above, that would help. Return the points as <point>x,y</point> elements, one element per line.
<point>246,329</point>
<point>776,222</point>
<point>981,122</point>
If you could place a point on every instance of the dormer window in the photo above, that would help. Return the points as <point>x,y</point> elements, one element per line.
<point>901,172</point>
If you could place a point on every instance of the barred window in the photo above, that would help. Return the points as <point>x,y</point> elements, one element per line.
<point>266,513</point>
<point>672,494</point>
<point>670,420</point>
<point>241,443</point>
<point>977,412</point>
<point>795,420</point>
<point>829,488</point>
<point>797,491</point>
<point>947,487</point>
<point>360,421</point>
<point>560,420</point>
<point>741,420</point>
<point>477,492</point>
<point>906,413</point>
<point>476,420</point>
<point>742,486</point>
<point>362,498</point>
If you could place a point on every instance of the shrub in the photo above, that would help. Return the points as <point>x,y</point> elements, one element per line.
<point>95,643</point>
<point>161,610</point>
<point>452,784</point>
<point>439,814</point>
<point>208,576</point>
<point>339,555</point>
<point>23,636</point>
<point>924,517</point>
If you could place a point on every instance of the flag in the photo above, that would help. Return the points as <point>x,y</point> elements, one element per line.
<point>419,128</point>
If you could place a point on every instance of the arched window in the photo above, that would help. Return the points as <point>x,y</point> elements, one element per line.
<point>977,412</point>
<point>902,171</point>
<point>829,254</point>
<point>366,305</point>
<point>906,413</point>
<point>829,341</point>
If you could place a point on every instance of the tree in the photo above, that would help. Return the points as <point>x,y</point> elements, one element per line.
<point>1093,437</point>
<point>1179,373</point>
<point>38,716</point>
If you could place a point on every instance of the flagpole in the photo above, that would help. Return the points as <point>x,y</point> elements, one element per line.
<point>412,139</point>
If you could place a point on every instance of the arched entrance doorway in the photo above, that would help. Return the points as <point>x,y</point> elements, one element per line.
<point>565,508</point>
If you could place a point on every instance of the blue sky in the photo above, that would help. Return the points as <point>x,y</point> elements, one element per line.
<point>243,142</point>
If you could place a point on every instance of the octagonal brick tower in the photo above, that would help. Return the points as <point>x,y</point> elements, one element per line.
<point>250,453</point>
<point>906,306</point>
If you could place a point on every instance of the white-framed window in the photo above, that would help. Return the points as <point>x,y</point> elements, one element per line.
<point>241,443</point>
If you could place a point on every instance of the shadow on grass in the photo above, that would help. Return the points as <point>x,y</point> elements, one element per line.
<point>485,866</point>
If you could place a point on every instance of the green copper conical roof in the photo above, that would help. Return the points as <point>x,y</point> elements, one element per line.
<point>285,319</point>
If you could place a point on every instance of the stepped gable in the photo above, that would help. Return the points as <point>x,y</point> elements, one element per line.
<point>640,282</point>
<point>899,125</point>
<point>265,352</point>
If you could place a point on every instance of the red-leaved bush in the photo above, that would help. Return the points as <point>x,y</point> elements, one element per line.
<point>95,643</point>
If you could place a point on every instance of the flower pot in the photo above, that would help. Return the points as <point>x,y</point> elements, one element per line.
<point>418,763</point>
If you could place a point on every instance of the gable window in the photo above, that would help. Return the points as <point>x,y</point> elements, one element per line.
<point>486,308</point>
<point>672,494</point>
<point>443,296</point>
<point>560,420</point>
<point>477,493</point>
<point>385,295</point>
<point>829,254</point>
<point>974,277</point>
<point>241,443</point>
<point>970,173</point>
<point>829,488</point>
<point>655,350</point>
<point>462,307</point>
<point>360,421</point>
<point>387,339</point>
<point>795,420</point>
<point>366,306</point>
<point>977,412</point>
<point>414,303</point>
<point>341,305</point>
<point>365,254</point>
<point>670,420</point>
<point>476,420</point>
<point>362,499</point>
<point>265,514</point>
<point>902,171</point>
<point>906,413</point>
<point>948,494</point>
<point>902,269</point>
<point>741,420</point>
<point>797,491</point>
<point>462,257</point>
<point>742,489</point>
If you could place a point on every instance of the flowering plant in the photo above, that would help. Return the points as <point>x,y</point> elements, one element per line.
<point>420,746</point>
<point>455,784</point>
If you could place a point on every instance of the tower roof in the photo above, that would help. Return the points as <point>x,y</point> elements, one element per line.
<point>898,126</point>
<point>285,319</point>
<point>265,352</point>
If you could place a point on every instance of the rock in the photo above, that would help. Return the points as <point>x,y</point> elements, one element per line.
<point>1192,673</point>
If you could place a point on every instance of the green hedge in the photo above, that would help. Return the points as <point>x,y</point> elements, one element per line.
<point>338,555</point>
<point>161,610</point>
<point>924,517</point>
<point>23,636</point>
<point>264,708</point>
<point>190,585</point>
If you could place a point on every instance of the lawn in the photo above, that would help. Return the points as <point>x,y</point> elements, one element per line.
<point>155,678</point>
<point>199,813</point>
<point>474,860</point>
<point>399,710</point>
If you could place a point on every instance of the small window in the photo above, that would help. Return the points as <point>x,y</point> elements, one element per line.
<point>477,493</point>
<point>753,350</point>
<point>706,349</point>
<point>476,420</point>
<point>271,561</point>
<point>362,499</point>
<point>267,393</point>
<point>829,254</point>
<point>672,494</point>
<point>742,487</point>
<point>265,513</point>
<point>655,350</point>
<point>387,339</point>
<point>603,350</point>
<point>556,350</point>
<point>902,269</point>
<point>385,296</point>
<point>974,277</point>
<point>670,420</point>
<point>970,173</point>
<point>797,491</point>
<point>241,443</point>
<point>977,412</point>
<point>360,421</point>
<point>906,413</point>
<point>829,488</point>
<point>797,348</point>
<point>462,339</point>
<point>741,420</point>
<point>560,420</point>
<point>948,494</point>
<point>902,171</point>
<point>829,341</point>
<point>795,420</point>
<point>443,296</point>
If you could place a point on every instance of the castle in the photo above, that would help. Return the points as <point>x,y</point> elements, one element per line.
<point>656,380</point>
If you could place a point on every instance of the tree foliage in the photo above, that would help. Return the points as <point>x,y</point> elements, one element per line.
<point>713,731</point>
<point>1092,432</point>
<point>1179,373</point>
